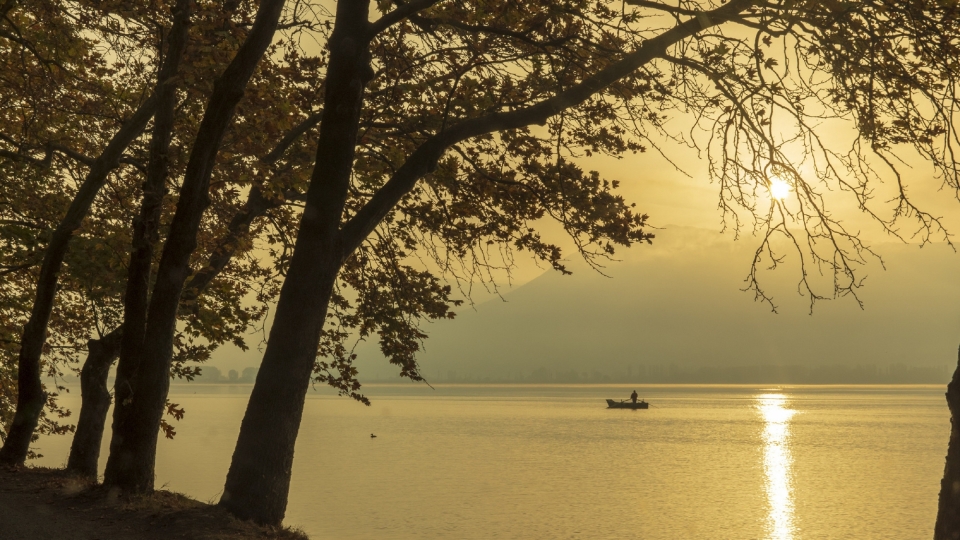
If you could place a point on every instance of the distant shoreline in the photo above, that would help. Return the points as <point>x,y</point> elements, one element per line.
<point>670,373</point>
<point>412,384</point>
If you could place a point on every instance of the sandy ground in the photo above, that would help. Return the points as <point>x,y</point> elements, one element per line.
<point>41,504</point>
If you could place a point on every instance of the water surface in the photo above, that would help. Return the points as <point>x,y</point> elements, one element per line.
<point>520,462</point>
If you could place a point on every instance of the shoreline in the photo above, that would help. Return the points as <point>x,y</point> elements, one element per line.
<point>41,503</point>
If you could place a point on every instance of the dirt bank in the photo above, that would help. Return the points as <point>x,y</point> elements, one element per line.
<point>41,504</point>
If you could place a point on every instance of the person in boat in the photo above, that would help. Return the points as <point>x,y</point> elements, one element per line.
<point>633,396</point>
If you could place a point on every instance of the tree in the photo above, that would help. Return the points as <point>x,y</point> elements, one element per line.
<point>54,57</point>
<point>463,165</point>
<point>86,445</point>
<point>95,264</point>
<point>146,370</point>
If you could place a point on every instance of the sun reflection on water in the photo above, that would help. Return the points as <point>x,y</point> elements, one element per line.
<point>776,464</point>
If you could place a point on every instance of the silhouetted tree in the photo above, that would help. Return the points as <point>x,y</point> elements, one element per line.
<point>41,153</point>
<point>430,138</point>
<point>146,369</point>
<point>46,56</point>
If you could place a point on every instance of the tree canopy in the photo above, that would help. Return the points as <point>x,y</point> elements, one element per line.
<point>59,116</point>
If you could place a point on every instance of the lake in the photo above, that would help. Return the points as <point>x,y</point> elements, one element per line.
<point>522,462</point>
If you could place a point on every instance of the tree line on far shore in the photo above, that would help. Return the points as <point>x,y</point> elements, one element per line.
<point>211,374</point>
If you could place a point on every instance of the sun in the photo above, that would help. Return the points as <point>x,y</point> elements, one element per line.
<point>779,189</point>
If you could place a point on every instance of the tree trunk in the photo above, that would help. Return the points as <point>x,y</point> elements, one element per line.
<point>258,482</point>
<point>259,478</point>
<point>30,395</point>
<point>137,417</point>
<point>145,231</point>
<point>95,396</point>
<point>948,510</point>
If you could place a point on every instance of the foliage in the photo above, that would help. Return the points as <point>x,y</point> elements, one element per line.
<point>45,57</point>
<point>45,151</point>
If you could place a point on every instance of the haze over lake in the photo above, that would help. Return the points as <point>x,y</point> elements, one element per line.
<point>677,304</point>
<point>529,461</point>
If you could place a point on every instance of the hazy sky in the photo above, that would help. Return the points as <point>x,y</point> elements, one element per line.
<point>680,300</point>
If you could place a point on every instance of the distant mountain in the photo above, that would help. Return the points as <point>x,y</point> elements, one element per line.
<point>679,302</point>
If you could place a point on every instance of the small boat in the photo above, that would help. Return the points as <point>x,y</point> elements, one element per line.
<point>611,404</point>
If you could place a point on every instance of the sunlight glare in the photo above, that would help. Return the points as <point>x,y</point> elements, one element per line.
<point>776,464</point>
<point>779,189</point>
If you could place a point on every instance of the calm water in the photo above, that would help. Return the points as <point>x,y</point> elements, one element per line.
<point>527,462</point>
